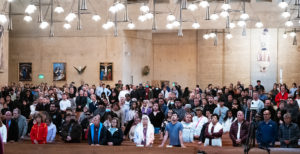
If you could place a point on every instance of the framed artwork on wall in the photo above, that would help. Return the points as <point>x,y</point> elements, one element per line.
<point>106,71</point>
<point>25,71</point>
<point>59,72</point>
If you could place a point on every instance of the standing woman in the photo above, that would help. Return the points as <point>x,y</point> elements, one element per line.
<point>114,134</point>
<point>144,132</point>
<point>38,133</point>
<point>3,132</point>
<point>228,120</point>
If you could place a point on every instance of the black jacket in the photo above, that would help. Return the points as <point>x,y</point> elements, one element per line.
<point>116,138</point>
<point>13,131</point>
<point>75,133</point>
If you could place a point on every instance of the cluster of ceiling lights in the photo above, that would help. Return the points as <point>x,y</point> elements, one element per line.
<point>147,14</point>
<point>291,15</point>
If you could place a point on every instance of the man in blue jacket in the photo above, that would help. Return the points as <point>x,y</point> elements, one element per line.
<point>266,131</point>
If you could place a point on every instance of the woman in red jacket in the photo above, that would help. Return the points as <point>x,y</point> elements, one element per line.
<point>39,130</point>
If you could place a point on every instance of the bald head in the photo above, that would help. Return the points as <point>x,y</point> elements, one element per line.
<point>240,116</point>
<point>8,115</point>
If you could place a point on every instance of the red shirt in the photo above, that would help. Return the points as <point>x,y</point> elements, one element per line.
<point>279,97</point>
<point>39,133</point>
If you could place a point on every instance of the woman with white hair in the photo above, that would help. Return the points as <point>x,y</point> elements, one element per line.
<point>144,132</point>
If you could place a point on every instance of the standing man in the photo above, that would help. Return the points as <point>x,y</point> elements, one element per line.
<point>288,133</point>
<point>174,128</point>
<point>239,130</point>
<point>259,86</point>
<point>267,131</point>
<point>282,95</point>
<point>221,111</point>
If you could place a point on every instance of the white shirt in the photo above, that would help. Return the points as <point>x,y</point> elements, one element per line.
<point>239,131</point>
<point>64,104</point>
<point>122,94</point>
<point>198,124</point>
<point>227,124</point>
<point>3,132</point>
<point>188,132</point>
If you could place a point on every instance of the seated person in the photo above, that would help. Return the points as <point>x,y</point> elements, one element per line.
<point>288,133</point>
<point>114,134</point>
<point>239,130</point>
<point>71,131</point>
<point>12,127</point>
<point>97,132</point>
<point>214,132</point>
<point>136,121</point>
<point>267,131</point>
<point>51,130</point>
<point>144,132</point>
<point>38,133</point>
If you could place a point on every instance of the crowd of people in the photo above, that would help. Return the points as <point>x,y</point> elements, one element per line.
<point>101,115</point>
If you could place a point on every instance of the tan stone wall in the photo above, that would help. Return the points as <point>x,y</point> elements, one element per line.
<point>75,51</point>
<point>189,60</point>
<point>4,74</point>
<point>288,59</point>
<point>175,57</point>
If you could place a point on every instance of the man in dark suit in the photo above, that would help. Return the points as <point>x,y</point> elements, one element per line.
<point>12,127</point>
<point>94,104</point>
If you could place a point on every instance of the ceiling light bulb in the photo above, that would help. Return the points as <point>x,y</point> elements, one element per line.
<point>59,9</point>
<point>119,6</point>
<point>67,26</point>
<point>70,17</point>
<point>142,18</point>
<point>192,7</point>
<point>110,24</point>
<point>131,25</point>
<point>232,25</point>
<point>196,25</point>
<point>149,15</point>
<point>289,23</point>
<point>112,9</point>
<point>229,36</point>
<point>204,4</point>
<point>292,34</point>
<point>3,18</point>
<point>27,18</point>
<point>224,14</point>
<point>244,16</point>
<point>283,5</point>
<point>259,25</point>
<point>30,9</point>
<point>144,8</point>
<point>285,14</point>
<point>171,17</point>
<point>226,7</point>
<point>44,25</point>
<point>10,1</point>
<point>285,35</point>
<point>214,16</point>
<point>169,26</point>
<point>212,35</point>
<point>105,26</point>
<point>96,17</point>
<point>176,23</point>
<point>241,23</point>
<point>206,36</point>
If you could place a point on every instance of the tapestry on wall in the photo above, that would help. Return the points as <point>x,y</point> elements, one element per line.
<point>25,71</point>
<point>59,72</point>
<point>106,71</point>
<point>264,57</point>
<point>1,48</point>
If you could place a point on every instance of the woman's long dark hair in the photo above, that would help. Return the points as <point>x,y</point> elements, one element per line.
<point>226,117</point>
